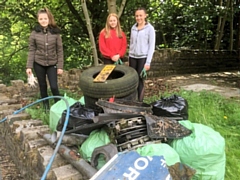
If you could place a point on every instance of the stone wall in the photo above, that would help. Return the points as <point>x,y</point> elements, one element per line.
<point>174,62</point>
<point>18,89</point>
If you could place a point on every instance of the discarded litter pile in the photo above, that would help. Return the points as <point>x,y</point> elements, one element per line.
<point>132,140</point>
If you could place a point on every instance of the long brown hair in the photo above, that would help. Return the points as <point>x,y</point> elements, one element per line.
<point>107,26</point>
<point>52,22</point>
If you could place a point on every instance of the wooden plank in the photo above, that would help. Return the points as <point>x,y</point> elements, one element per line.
<point>104,73</point>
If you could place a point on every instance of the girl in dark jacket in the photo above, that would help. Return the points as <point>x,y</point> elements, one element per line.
<point>45,53</point>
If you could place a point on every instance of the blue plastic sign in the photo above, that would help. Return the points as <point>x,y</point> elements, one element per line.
<point>131,166</point>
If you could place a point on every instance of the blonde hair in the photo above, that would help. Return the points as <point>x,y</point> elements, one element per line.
<point>107,26</point>
<point>45,10</point>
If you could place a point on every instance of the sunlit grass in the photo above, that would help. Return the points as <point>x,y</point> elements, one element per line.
<point>223,115</point>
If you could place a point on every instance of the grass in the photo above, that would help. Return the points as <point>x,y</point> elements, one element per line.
<point>37,111</point>
<point>223,115</point>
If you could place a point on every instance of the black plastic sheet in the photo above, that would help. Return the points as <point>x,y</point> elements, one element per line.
<point>173,106</point>
<point>79,115</point>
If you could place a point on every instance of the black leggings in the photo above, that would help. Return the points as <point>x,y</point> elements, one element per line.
<point>51,72</point>
<point>108,61</point>
<point>138,65</point>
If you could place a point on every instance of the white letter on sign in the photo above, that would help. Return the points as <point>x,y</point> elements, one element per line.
<point>150,158</point>
<point>133,174</point>
<point>141,167</point>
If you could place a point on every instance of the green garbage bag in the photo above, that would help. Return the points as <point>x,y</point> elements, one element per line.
<point>56,111</point>
<point>97,138</point>
<point>82,100</point>
<point>161,149</point>
<point>203,150</point>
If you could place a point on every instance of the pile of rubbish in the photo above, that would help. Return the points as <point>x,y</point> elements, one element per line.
<point>134,140</point>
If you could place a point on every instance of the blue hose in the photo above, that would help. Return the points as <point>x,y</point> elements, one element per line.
<point>62,133</point>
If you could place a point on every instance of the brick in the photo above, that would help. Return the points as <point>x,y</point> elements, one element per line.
<point>67,172</point>
<point>6,101</point>
<point>3,88</point>
<point>31,133</point>
<point>35,144</point>
<point>44,155</point>
<point>31,153</point>
<point>17,117</point>
<point>5,113</point>
<point>11,106</point>
<point>19,125</point>
<point>3,96</point>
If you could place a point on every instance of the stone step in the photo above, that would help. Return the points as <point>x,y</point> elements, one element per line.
<point>19,125</point>
<point>31,153</point>
<point>6,100</point>
<point>17,117</point>
<point>10,106</point>
<point>31,133</point>
<point>6,112</point>
<point>3,97</point>
<point>3,88</point>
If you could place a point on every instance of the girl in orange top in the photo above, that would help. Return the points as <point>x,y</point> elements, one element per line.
<point>112,40</point>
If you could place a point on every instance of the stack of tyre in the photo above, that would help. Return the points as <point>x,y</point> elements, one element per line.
<point>122,83</point>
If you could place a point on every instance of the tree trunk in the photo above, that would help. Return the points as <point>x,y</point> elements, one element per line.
<point>231,27</point>
<point>112,6</point>
<point>220,34</point>
<point>120,11</point>
<point>90,32</point>
<point>238,30</point>
<point>218,28</point>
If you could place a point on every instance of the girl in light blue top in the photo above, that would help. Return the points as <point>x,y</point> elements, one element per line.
<point>142,45</point>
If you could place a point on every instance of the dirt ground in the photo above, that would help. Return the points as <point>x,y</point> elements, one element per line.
<point>225,83</point>
<point>229,81</point>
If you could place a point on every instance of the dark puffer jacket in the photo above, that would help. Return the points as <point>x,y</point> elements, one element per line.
<point>45,47</point>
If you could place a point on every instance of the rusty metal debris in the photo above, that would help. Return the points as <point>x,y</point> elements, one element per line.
<point>165,127</point>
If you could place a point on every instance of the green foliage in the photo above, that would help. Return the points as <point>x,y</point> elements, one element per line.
<point>184,23</point>
<point>38,112</point>
<point>223,115</point>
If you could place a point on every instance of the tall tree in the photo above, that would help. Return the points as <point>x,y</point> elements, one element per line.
<point>238,29</point>
<point>231,26</point>
<point>89,26</point>
<point>222,25</point>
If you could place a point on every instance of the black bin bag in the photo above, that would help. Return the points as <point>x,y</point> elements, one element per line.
<point>172,106</point>
<point>79,115</point>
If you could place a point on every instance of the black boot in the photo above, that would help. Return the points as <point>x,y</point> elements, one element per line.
<point>46,105</point>
<point>56,100</point>
<point>141,95</point>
